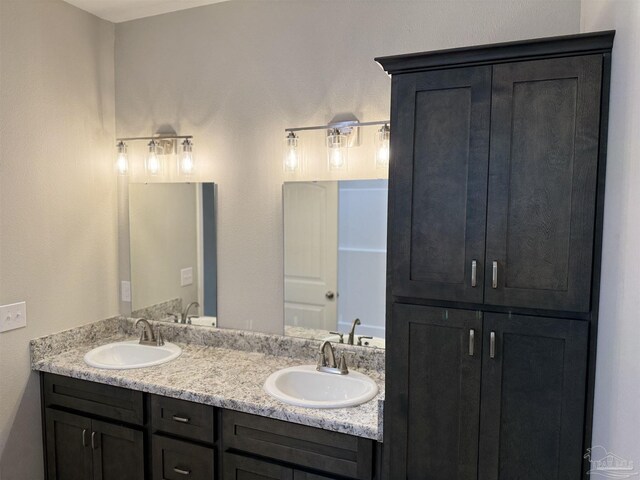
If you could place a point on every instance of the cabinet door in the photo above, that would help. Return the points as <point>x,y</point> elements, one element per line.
<point>67,444</point>
<point>533,398</point>
<point>238,467</point>
<point>545,126</point>
<point>118,452</point>
<point>433,393</point>
<point>438,183</point>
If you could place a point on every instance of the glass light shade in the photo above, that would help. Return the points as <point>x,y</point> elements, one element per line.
<point>186,162</point>
<point>153,163</point>
<point>382,147</point>
<point>337,150</point>
<point>292,161</point>
<point>122,161</point>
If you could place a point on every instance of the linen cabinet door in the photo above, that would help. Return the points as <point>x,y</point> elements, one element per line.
<point>545,126</point>
<point>67,444</point>
<point>432,405</point>
<point>533,398</point>
<point>438,175</point>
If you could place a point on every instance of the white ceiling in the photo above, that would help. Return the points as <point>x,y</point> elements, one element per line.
<point>123,10</point>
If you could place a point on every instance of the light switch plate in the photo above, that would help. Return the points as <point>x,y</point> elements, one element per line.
<point>186,276</point>
<point>13,316</point>
<point>125,291</point>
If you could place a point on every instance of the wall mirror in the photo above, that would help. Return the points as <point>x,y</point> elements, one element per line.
<point>172,235</point>
<point>335,260</point>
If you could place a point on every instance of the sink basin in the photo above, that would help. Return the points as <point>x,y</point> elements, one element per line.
<point>130,354</point>
<point>304,386</point>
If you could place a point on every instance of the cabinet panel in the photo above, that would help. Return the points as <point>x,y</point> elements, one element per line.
<point>533,396</point>
<point>238,467</point>
<point>440,148</point>
<point>177,460</point>
<point>67,444</point>
<point>433,396</point>
<point>542,183</point>
<point>118,452</point>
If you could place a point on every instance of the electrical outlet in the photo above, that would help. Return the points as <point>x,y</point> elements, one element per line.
<point>13,316</point>
<point>125,291</point>
<point>186,276</point>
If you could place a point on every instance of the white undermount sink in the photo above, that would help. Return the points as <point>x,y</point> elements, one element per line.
<point>304,386</point>
<point>131,354</point>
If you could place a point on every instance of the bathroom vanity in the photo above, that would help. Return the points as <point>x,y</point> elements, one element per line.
<point>203,415</point>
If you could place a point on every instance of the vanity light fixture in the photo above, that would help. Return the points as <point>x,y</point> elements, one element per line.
<point>153,163</point>
<point>292,156</point>
<point>382,146</point>
<point>186,163</point>
<point>340,137</point>
<point>337,149</point>
<point>161,149</point>
<point>122,161</point>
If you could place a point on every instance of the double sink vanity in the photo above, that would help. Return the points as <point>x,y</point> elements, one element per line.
<point>194,402</point>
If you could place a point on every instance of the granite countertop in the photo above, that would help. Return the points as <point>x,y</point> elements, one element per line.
<point>215,368</point>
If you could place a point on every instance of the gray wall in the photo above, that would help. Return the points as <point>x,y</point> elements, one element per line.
<point>236,74</point>
<point>617,416</point>
<point>58,230</point>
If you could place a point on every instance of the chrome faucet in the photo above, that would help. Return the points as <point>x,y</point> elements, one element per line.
<point>327,360</point>
<point>353,331</point>
<point>185,318</point>
<point>147,336</point>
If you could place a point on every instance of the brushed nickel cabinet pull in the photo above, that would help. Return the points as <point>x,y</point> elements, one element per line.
<point>492,345</point>
<point>181,471</point>
<point>474,273</point>
<point>472,342</point>
<point>181,419</point>
<point>494,278</point>
<point>84,437</point>
<point>93,440</point>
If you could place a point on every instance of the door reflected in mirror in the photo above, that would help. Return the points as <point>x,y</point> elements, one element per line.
<point>172,231</point>
<point>335,260</point>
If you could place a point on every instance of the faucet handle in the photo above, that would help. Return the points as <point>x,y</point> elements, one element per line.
<point>159,337</point>
<point>341,335</point>
<point>363,337</point>
<point>343,365</point>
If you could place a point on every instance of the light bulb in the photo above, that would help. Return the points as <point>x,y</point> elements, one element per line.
<point>337,150</point>
<point>291,161</point>
<point>382,147</point>
<point>153,165</point>
<point>122,162</point>
<point>186,163</point>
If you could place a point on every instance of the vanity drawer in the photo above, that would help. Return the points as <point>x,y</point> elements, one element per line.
<point>106,401</point>
<point>177,460</point>
<point>182,418</point>
<point>309,447</point>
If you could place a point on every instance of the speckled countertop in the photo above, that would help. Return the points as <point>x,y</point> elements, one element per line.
<point>223,368</point>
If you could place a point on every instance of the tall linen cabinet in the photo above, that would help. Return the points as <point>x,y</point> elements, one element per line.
<point>496,190</point>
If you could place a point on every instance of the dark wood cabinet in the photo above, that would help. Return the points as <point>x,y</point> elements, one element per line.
<point>80,448</point>
<point>433,397</point>
<point>533,397</point>
<point>495,213</point>
<point>440,147</point>
<point>545,126</point>
<point>240,467</point>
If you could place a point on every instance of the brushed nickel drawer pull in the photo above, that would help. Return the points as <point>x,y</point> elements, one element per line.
<point>181,419</point>
<point>181,471</point>
<point>93,440</point>
<point>494,278</point>
<point>492,345</point>
<point>474,273</point>
<point>472,342</point>
<point>84,437</point>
